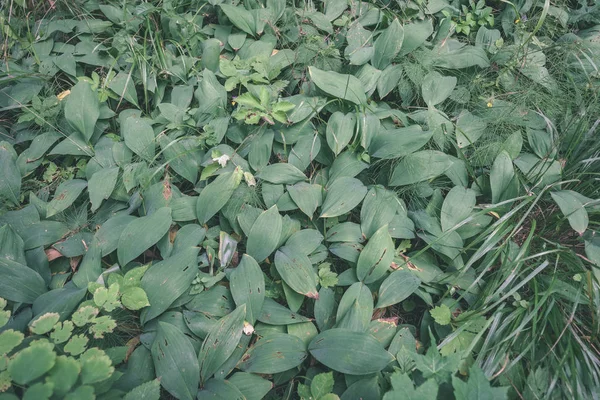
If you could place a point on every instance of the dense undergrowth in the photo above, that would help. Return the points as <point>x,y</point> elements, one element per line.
<point>299,200</point>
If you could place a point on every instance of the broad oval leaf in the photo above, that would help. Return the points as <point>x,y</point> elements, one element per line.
<point>388,45</point>
<point>457,206</point>
<point>216,194</point>
<point>397,287</point>
<point>101,185</point>
<point>378,209</point>
<point>143,233</point>
<point>296,270</point>
<point>175,362</point>
<point>20,283</point>
<point>349,352</point>
<point>437,88</point>
<point>572,208</point>
<point>273,313</point>
<point>247,285</point>
<point>220,343</point>
<point>345,87</point>
<point>281,173</point>
<point>307,197</point>
<point>165,281</point>
<point>139,137</point>
<point>264,235</point>
<point>343,195</point>
<point>82,109</point>
<point>469,128</point>
<point>340,130</point>
<point>356,308</point>
<point>66,193</point>
<point>377,256</point>
<point>398,142</point>
<point>501,176</point>
<point>420,166</point>
<point>276,352</point>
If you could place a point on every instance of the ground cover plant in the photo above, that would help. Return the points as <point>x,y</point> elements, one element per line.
<point>299,200</point>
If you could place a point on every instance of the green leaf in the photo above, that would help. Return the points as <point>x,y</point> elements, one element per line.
<point>216,194</point>
<point>143,233</point>
<point>539,171</point>
<point>378,209</point>
<point>469,128</point>
<point>9,339</point>
<point>219,389</point>
<point>32,362</point>
<point>108,299</point>
<point>572,208</point>
<point>10,182</point>
<point>306,196</point>
<point>175,362</point>
<point>240,17</point>
<point>404,388</point>
<point>247,286</point>
<point>321,385</point>
<point>134,298</point>
<point>415,34</point>
<point>398,142</point>
<point>343,195</point>
<point>355,309</point>
<point>221,342</point>
<point>441,314</point>
<point>296,270</point>
<point>76,345</point>
<point>281,173</point>
<point>147,391</point>
<point>96,366</point>
<point>388,45</point>
<point>165,281</point>
<point>457,206</point>
<point>63,375</point>
<point>38,391</point>
<point>420,166</point>
<point>437,88</point>
<point>433,365</point>
<point>397,287</point>
<point>82,109</point>
<point>123,86</point>
<point>44,323</point>
<point>350,352</point>
<point>477,387</point>
<point>264,235</point>
<point>253,387</point>
<point>273,313</point>
<point>340,130</point>
<point>376,257</point>
<point>91,266</point>
<point>110,231</point>
<point>101,185</point>
<point>276,352</point>
<point>345,87</point>
<point>20,283</point>
<point>139,137</point>
<point>501,176</point>
<point>66,193</point>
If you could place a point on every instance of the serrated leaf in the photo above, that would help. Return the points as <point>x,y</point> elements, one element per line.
<point>32,362</point>
<point>477,387</point>
<point>441,314</point>
<point>9,339</point>
<point>44,323</point>
<point>134,298</point>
